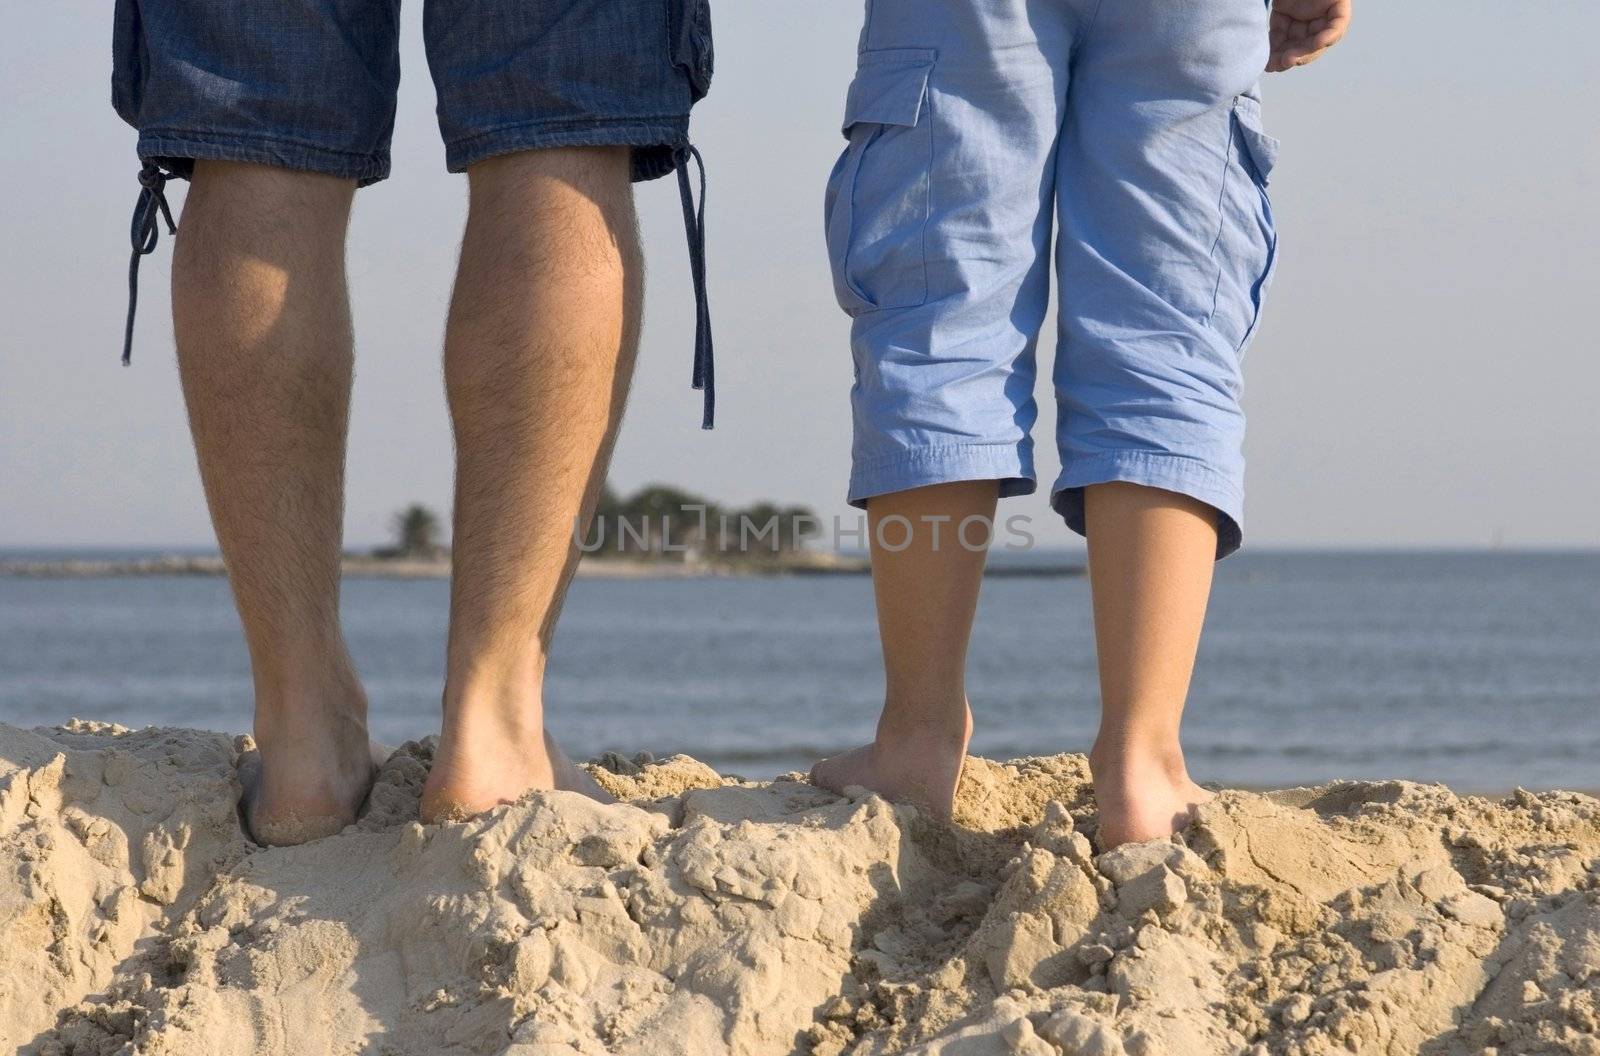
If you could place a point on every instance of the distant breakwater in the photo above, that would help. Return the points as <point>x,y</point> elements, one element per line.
<point>805,563</point>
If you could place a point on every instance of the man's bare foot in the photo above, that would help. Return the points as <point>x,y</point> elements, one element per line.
<point>311,771</point>
<point>1142,795</point>
<point>916,762</point>
<point>480,765</point>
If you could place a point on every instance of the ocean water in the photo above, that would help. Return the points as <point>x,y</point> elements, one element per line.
<point>1481,670</point>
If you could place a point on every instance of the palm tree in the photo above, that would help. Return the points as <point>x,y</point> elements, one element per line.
<point>416,531</point>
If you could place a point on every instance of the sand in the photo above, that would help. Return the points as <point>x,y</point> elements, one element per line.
<point>707,916</point>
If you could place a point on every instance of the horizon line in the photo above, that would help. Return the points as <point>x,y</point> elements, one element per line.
<point>191,549</point>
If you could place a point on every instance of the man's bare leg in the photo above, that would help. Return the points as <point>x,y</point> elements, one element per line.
<point>1151,554</point>
<point>927,595</point>
<point>264,349</point>
<point>538,355</point>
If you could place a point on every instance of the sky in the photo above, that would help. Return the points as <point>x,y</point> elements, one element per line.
<point>1425,374</point>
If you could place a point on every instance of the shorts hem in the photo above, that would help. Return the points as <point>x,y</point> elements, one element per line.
<point>178,151</point>
<point>1182,474</point>
<point>1010,464</point>
<point>669,134</point>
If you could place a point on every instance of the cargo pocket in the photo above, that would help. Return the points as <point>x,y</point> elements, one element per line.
<point>692,50</point>
<point>1250,238</point>
<point>878,197</point>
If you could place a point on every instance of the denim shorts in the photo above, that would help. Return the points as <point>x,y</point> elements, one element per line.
<point>1124,140</point>
<point>311,85</point>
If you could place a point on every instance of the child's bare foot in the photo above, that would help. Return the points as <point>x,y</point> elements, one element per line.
<point>311,771</point>
<point>482,762</point>
<point>911,761</point>
<point>1142,795</point>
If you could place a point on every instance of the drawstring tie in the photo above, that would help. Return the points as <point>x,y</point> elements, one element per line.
<point>694,222</point>
<point>152,205</point>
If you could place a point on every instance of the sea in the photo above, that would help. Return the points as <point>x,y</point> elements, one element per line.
<point>1480,670</point>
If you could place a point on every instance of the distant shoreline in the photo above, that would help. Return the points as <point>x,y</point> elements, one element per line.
<point>359,566</point>
<point>366,567</point>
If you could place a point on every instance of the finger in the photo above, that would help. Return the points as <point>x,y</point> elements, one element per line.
<point>1310,48</point>
<point>1337,21</point>
<point>1300,53</point>
<point>1292,57</point>
<point>1283,24</point>
<point>1276,60</point>
<point>1324,39</point>
<point>1300,10</point>
<point>1305,58</point>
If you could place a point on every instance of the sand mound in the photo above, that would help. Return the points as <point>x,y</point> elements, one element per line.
<point>708,917</point>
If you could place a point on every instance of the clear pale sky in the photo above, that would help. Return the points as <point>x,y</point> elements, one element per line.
<point>1426,373</point>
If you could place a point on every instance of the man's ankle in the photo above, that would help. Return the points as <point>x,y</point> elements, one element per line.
<point>331,690</point>
<point>307,666</point>
<point>479,678</point>
<point>499,707</point>
<point>936,720</point>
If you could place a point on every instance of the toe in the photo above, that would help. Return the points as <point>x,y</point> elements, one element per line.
<point>824,774</point>
<point>838,772</point>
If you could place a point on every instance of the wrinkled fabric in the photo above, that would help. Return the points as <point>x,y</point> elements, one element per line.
<point>1121,142</point>
<point>311,85</point>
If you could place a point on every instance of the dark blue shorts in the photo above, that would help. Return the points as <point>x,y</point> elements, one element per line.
<point>311,84</point>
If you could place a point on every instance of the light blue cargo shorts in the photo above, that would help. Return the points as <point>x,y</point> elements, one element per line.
<point>1131,131</point>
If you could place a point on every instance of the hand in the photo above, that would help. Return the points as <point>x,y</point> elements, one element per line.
<point>1303,29</point>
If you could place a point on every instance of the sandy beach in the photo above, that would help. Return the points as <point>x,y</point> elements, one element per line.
<point>708,916</point>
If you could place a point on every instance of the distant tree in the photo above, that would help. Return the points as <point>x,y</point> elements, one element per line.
<point>658,518</point>
<point>665,516</point>
<point>602,534</point>
<point>657,500</point>
<point>416,532</point>
<point>756,529</point>
<point>609,503</point>
<point>799,524</point>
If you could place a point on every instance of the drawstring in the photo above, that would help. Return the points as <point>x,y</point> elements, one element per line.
<point>694,222</point>
<point>152,204</point>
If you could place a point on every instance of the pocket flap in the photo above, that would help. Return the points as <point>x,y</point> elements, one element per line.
<point>889,88</point>
<point>1262,148</point>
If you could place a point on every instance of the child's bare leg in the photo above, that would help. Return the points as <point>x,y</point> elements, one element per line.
<point>927,594</point>
<point>1151,554</point>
